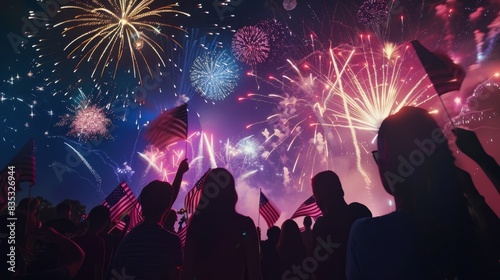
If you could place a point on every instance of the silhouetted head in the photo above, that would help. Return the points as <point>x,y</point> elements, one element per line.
<point>414,156</point>
<point>307,222</point>
<point>98,218</point>
<point>273,234</point>
<point>327,190</point>
<point>63,209</point>
<point>155,199</point>
<point>219,195</point>
<point>290,234</point>
<point>28,204</point>
<point>417,167</point>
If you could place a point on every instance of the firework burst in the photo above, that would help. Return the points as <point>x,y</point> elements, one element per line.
<point>326,92</point>
<point>106,30</point>
<point>250,45</point>
<point>89,120</point>
<point>214,75</point>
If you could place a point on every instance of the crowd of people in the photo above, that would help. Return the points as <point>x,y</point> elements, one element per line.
<point>442,228</point>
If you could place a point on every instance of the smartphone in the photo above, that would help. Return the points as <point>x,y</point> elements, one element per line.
<point>375,156</point>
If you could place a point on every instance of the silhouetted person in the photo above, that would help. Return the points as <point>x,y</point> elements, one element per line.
<point>291,250</point>
<point>220,242</point>
<point>331,231</point>
<point>33,260</point>
<point>149,251</point>
<point>270,261</point>
<point>62,222</point>
<point>307,235</point>
<point>429,236</point>
<point>93,245</point>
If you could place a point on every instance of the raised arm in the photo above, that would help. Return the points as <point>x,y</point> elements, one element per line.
<point>176,184</point>
<point>470,145</point>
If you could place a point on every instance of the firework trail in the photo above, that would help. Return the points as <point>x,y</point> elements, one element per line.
<point>87,164</point>
<point>62,167</point>
<point>105,31</point>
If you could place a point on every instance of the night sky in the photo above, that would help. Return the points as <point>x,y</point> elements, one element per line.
<point>39,87</point>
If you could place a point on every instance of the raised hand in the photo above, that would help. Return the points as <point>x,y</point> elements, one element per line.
<point>468,143</point>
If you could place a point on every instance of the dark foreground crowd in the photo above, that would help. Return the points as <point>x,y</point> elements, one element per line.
<point>442,227</point>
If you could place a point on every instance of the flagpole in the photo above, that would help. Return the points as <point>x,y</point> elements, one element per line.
<point>258,213</point>
<point>446,110</point>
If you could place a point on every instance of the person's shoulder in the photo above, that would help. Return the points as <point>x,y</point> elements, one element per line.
<point>358,210</point>
<point>245,220</point>
<point>394,221</point>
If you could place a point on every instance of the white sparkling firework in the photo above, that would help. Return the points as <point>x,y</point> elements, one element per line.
<point>214,75</point>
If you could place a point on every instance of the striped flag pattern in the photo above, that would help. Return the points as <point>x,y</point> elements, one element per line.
<point>308,208</point>
<point>170,127</point>
<point>182,235</point>
<point>24,170</point>
<point>193,196</point>
<point>135,215</point>
<point>268,211</point>
<point>120,201</point>
<point>445,75</point>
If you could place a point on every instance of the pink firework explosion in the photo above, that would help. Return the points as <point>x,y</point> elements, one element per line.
<point>250,45</point>
<point>89,122</point>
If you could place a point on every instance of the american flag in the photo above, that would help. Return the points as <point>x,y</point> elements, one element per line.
<point>182,235</point>
<point>445,75</point>
<point>23,170</point>
<point>193,196</point>
<point>308,208</point>
<point>170,127</point>
<point>120,201</point>
<point>268,211</point>
<point>135,215</point>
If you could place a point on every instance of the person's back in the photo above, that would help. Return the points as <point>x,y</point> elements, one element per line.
<point>307,235</point>
<point>62,223</point>
<point>331,231</point>
<point>383,248</point>
<point>93,245</point>
<point>149,251</point>
<point>270,261</point>
<point>228,257</point>
<point>220,243</point>
<point>291,250</point>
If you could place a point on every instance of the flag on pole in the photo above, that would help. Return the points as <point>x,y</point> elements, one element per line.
<point>193,196</point>
<point>267,210</point>
<point>182,235</point>
<point>120,201</point>
<point>308,208</point>
<point>444,74</point>
<point>170,127</point>
<point>22,168</point>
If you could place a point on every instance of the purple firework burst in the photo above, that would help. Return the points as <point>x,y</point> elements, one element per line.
<point>250,45</point>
